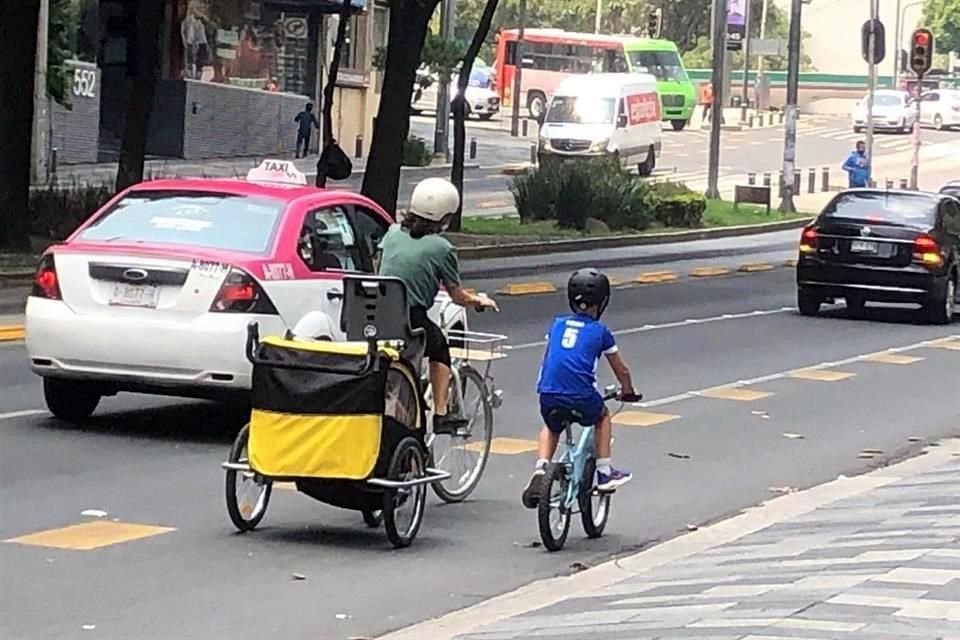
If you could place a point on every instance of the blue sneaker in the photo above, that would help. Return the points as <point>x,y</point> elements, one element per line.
<point>609,482</point>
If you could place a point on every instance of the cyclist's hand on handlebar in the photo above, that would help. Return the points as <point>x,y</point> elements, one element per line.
<point>485,303</point>
<point>629,395</point>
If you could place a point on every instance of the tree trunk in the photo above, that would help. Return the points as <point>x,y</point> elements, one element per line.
<point>18,53</point>
<point>408,29</point>
<point>322,161</point>
<point>146,74</point>
<point>460,104</point>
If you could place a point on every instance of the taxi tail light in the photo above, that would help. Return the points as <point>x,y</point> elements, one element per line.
<point>808,240</point>
<point>46,284</point>
<point>240,293</point>
<point>926,251</point>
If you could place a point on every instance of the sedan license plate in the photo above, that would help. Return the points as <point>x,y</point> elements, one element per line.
<point>862,246</point>
<point>135,295</point>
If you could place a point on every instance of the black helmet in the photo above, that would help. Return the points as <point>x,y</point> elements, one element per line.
<point>588,288</point>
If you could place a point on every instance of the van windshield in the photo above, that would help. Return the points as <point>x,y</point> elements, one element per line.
<point>581,110</point>
<point>662,65</point>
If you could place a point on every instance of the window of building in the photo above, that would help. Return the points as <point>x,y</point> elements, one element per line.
<point>353,56</point>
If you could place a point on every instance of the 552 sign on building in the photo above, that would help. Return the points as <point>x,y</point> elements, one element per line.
<point>84,83</point>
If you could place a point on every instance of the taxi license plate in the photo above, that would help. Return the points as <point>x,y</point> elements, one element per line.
<point>135,295</point>
<point>861,246</point>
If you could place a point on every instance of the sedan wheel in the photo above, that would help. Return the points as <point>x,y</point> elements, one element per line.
<point>942,307</point>
<point>938,122</point>
<point>808,304</point>
<point>70,400</point>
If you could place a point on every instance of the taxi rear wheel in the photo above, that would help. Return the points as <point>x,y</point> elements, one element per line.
<point>70,400</point>
<point>808,303</point>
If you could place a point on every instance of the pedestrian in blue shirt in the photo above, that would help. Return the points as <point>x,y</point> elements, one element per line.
<point>306,122</point>
<point>857,167</point>
<point>568,379</point>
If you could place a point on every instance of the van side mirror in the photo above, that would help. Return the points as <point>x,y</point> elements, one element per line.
<point>622,121</point>
<point>541,118</point>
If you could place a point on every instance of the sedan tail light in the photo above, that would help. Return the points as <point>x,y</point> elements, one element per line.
<point>240,293</point>
<point>46,284</point>
<point>926,251</point>
<point>808,240</point>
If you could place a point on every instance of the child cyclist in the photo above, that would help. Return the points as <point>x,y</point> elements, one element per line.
<point>568,379</point>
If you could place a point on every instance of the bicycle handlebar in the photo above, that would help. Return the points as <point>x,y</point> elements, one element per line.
<point>614,394</point>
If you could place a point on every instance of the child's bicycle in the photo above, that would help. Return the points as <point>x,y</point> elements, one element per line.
<point>570,484</point>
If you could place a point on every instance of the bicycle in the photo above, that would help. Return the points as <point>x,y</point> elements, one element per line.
<point>570,483</point>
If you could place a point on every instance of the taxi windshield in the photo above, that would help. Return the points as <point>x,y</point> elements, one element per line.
<point>198,219</point>
<point>885,208</point>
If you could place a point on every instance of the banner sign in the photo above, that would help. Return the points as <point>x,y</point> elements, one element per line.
<point>736,24</point>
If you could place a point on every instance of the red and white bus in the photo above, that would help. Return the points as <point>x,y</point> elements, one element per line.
<point>549,56</point>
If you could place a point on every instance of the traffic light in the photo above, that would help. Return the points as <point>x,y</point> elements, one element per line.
<point>921,51</point>
<point>654,22</point>
<point>879,41</point>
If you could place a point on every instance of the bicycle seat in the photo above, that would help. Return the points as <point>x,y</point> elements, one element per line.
<point>565,416</point>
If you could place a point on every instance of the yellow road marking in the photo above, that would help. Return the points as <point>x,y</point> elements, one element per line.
<point>709,272</point>
<point>735,393</point>
<point>285,486</point>
<point>755,267</point>
<point>790,263</point>
<point>821,375</point>
<point>527,288</point>
<point>505,446</point>
<point>947,343</point>
<point>655,277</point>
<point>892,358</point>
<point>11,333</point>
<point>642,418</point>
<point>90,535</point>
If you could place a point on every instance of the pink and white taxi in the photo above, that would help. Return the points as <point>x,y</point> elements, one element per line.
<point>153,293</point>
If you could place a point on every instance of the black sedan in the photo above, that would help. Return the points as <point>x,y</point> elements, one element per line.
<point>871,245</point>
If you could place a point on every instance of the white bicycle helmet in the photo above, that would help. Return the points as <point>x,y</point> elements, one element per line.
<point>434,199</point>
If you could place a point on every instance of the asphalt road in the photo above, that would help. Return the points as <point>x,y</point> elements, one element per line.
<point>155,462</point>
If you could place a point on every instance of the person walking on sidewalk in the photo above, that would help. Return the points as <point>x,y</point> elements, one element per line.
<point>857,167</point>
<point>307,122</point>
<point>708,99</point>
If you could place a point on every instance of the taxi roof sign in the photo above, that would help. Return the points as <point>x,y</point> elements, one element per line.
<point>277,171</point>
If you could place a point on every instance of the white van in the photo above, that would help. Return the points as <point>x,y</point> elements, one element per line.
<point>600,114</point>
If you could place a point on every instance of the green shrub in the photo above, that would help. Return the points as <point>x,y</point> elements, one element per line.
<point>56,211</point>
<point>416,152</point>
<point>676,205</point>
<point>535,194</point>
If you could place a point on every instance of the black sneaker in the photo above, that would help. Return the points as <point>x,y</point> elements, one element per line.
<point>448,426</point>
<point>531,495</point>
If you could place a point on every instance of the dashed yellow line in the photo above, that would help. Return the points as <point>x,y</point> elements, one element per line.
<point>820,375</point>
<point>12,333</point>
<point>892,358</point>
<point>90,535</point>
<point>790,263</point>
<point>709,272</point>
<point>642,418</point>
<point>735,393</point>
<point>952,344</point>
<point>656,277</point>
<point>527,288</point>
<point>506,446</point>
<point>755,267</point>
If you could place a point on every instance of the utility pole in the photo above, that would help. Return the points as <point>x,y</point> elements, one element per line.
<point>790,128</point>
<point>897,46</point>
<point>716,112</point>
<point>599,20</point>
<point>41,104</point>
<point>872,77</point>
<point>763,34</point>
<point>441,139</point>
<point>518,72</point>
<point>745,99</point>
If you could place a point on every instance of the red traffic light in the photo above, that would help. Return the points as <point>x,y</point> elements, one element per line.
<point>921,38</point>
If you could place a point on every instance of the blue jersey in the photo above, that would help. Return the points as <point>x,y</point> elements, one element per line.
<point>574,346</point>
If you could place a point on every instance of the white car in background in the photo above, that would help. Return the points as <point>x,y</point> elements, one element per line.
<point>482,100</point>
<point>892,111</point>
<point>940,109</point>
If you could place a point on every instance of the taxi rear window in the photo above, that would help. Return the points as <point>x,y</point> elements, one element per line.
<point>199,219</point>
<point>891,208</point>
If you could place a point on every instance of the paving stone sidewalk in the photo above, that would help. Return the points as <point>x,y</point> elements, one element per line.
<point>881,565</point>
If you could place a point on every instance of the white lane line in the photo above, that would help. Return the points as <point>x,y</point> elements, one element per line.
<point>21,414</point>
<point>671,325</point>
<point>785,374</point>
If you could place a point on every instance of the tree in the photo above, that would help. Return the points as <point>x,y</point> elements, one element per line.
<point>323,163</point>
<point>942,17</point>
<point>408,30</point>
<point>145,70</point>
<point>18,53</point>
<point>63,18</point>
<point>460,102</point>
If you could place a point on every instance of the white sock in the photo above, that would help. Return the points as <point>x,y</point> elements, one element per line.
<point>603,465</point>
<point>542,464</point>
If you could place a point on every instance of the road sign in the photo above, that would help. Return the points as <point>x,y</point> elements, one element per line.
<point>879,41</point>
<point>769,46</point>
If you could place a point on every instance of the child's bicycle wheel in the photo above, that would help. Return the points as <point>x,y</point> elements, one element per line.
<point>594,506</point>
<point>553,516</point>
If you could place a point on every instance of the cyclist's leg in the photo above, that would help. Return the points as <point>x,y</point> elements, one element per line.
<point>547,443</point>
<point>608,478</point>
<point>438,354</point>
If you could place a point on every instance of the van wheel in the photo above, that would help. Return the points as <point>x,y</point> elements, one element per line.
<point>70,400</point>
<point>536,104</point>
<point>647,166</point>
<point>678,125</point>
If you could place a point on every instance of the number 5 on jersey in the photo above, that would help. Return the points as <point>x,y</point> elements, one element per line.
<point>569,339</point>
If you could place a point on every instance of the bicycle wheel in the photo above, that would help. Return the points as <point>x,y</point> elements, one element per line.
<point>373,518</point>
<point>553,516</point>
<point>403,508</point>
<point>464,455</point>
<point>402,396</point>
<point>594,506</point>
<point>247,493</point>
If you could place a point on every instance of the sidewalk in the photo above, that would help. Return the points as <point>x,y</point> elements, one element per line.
<point>871,557</point>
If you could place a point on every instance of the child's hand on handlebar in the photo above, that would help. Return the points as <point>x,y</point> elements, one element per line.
<point>629,395</point>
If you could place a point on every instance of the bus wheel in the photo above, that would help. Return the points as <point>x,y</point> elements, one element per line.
<point>536,104</point>
<point>678,125</point>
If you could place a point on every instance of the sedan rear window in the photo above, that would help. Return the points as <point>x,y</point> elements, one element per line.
<point>891,208</point>
<point>198,219</point>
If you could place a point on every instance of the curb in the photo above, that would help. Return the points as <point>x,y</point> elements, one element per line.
<point>613,242</point>
<point>551,591</point>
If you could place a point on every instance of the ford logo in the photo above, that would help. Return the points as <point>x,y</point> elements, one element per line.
<point>135,275</point>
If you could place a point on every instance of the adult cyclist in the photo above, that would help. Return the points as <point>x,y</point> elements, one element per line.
<point>416,253</point>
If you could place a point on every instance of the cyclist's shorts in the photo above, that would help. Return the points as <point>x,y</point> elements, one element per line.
<point>591,408</point>
<point>437,349</point>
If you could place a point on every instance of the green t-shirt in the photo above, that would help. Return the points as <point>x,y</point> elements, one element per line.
<point>422,263</point>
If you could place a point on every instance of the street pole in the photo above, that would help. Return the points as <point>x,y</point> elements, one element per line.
<point>716,112</point>
<point>915,159</point>
<point>745,99</point>
<point>441,138</point>
<point>598,21</point>
<point>897,44</point>
<point>872,78</point>
<point>41,105</point>
<point>790,128</point>
<point>518,72</point>
<point>763,34</point>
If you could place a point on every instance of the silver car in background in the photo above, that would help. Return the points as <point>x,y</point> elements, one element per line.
<point>892,111</point>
